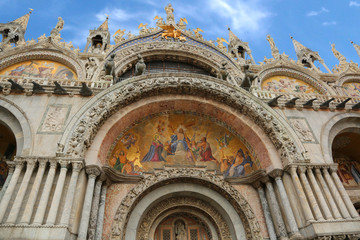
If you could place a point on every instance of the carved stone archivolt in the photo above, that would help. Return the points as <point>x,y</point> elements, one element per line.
<point>183,202</point>
<point>216,182</point>
<point>85,124</point>
<point>126,57</point>
<point>294,72</point>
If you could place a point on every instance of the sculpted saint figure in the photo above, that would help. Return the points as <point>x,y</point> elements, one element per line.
<point>170,19</point>
<point>180,231</point>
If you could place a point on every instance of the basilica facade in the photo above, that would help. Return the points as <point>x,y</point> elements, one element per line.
<point>167,136</point>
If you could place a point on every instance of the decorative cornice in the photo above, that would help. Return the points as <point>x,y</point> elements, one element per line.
<point>117,177</point>
<point>247,179</point>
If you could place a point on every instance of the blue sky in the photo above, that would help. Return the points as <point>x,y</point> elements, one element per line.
<point>316,24</point>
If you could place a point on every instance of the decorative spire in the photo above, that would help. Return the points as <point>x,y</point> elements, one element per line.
<point>357,48</point>
<point>232,36</point>
<point>337,54</point>
<point>298,46</point>
<point>104,26</point>
<point>23,21</point>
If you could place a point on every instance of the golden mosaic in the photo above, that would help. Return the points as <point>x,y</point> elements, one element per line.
<point>287,84</point>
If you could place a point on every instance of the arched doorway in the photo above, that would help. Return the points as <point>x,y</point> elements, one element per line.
<point>7,150</point>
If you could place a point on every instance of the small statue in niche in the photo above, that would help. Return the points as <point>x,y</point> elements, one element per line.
<point>248,78</point>
<point>109,66</point>
<point>180,232</point>
<point>140,66</point>
<point>223,73</point>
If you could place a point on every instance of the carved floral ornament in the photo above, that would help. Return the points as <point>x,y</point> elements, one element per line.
<point>44,51</point>
<point>85,124</point>
<point>251,225</point>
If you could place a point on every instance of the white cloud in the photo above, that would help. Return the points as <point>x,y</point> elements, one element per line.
<point>354,3</point>
<point>243,16</point>
<point>329,23</point>
<point>315,13</point>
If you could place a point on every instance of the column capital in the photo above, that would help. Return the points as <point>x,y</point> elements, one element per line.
<point>257,184</point>
<point>265,179</point>
<point>93,171</point>
<point>292,169</point>
<point>276,173</point>
<point>333,168</point>
<point>77,166</point>
<point>19,163</point>
<point>53,163</point>
<point>317,170</point>
<point>30,162</point>
<point>302,169</point>
<point>309,168</point>
<point>11,166</point>
<point>43,162</point>
<point>64,163</point>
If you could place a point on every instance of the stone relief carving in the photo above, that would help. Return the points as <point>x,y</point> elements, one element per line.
<point>182,202</point>
<point>302,129</point>
<point>242,207</point>
<point>120,95</point>
<point>54,119</point>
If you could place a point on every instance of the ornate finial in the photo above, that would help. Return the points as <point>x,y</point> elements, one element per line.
<point>357,47</point>
<point>23,21</point>
<point>31,10</point>
<point>274,49</point>
<point>337,54</point>
<point>232,36</point>
<point>104,26</point>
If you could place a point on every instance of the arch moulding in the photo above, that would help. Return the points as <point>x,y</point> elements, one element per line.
<point>12,116</point>
<point>333,127</point>
<point>173,175</point>
<point>82,128</point>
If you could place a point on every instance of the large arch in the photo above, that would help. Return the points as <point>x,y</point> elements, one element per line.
<point>337,124</point>
<point>16,120</point>
<point>83,127</point>
<point>198,184</point>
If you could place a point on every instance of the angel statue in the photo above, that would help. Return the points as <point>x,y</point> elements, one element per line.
<point>197,33</point>
<point>160,21</point>
<point>220,45</point>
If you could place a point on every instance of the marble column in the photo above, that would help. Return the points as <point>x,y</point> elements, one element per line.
<point>328,194</point>
<point>95,207</point>
<point>266,211</point>
<point>277,217</point>
<point>301,194</point>
<point>57,194</point>
<point>15,209</point>
<point>34,192</point>
<point>92,171</point>
<point>343,193</point>
<point>294,230</point>
<point>65,217</point>
<point>10,190</point>
<point>40,213</point>
<point>101,212</point>
<point>312,200</point>
<point>336,195</point>
<point>11,167</point>
<point>319,194</point>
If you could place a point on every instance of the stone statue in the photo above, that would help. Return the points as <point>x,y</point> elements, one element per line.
<point>220,42</point>
<point>223,73</point>
<point>160,21</point>
<point>90,67</point>
<point>59,26</point>
<point>109,66</point>
<point>170,19</point>
<point>337,54</point>
<point>274,49</point>
<point>130,35</point>
<point>119,35</point>
<point>140,66</point>
<point>180,232</point>
<point>248,78</point>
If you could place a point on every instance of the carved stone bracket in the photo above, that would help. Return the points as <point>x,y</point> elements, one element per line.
<point>242,207</point>
<point>86,123</point>
<point>93,171</point>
